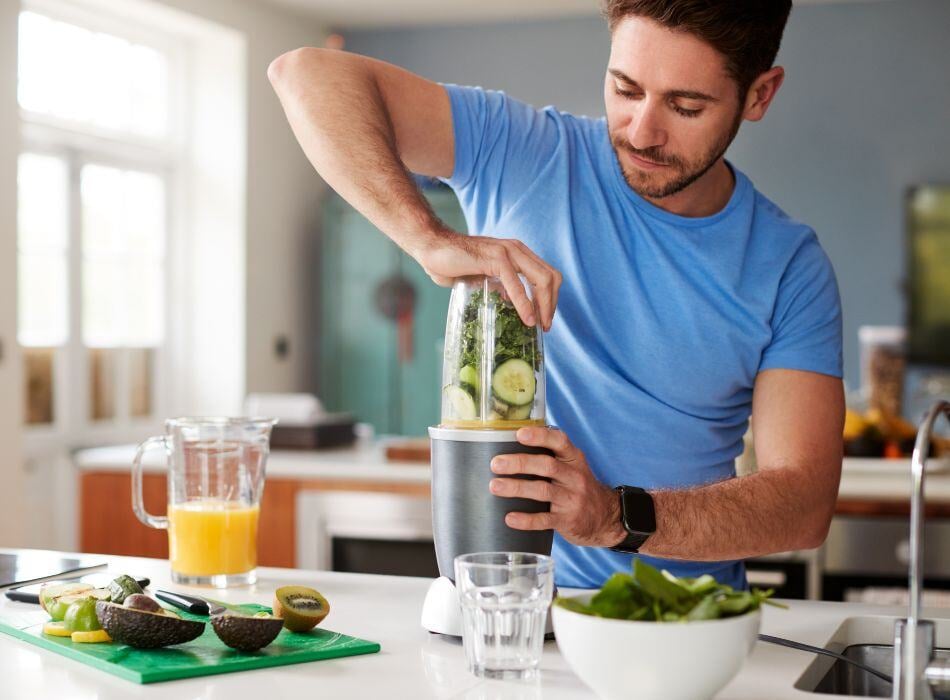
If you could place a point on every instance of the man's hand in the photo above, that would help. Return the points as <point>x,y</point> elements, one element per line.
<point>447,256</point>
<point>583,510</point>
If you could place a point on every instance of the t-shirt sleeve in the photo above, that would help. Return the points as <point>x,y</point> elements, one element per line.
<point>501,147</point>
<point>806,321</point>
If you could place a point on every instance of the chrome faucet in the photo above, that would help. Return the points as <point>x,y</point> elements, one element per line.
<point>916,673</point>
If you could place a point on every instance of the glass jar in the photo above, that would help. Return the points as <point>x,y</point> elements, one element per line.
<point>493,364</point>
<point>882,367</point>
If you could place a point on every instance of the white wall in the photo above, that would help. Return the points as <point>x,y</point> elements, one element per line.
<point>11,472</point>
<point>282,197</point>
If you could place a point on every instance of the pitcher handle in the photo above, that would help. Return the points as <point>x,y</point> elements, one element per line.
<point>138,503</point>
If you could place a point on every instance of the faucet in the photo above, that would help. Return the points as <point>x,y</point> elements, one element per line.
<point>916,673</point>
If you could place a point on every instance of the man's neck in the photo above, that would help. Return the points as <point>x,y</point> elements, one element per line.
<point>705,197</point>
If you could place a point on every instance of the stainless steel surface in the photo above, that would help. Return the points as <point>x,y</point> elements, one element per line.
<point>843,658</point>
<point>938,673</point>
<point>879,546</point>
<point>466,516</point>
<point>913,637</point>
<point>844,678</point>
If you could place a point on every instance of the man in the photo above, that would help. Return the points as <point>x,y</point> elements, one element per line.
<point>686,301</point>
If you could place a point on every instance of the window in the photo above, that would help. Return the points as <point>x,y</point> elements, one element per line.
<point>91,78</point>
<point>95,179</point>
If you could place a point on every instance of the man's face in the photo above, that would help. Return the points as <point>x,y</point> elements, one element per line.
<point>672,110</point>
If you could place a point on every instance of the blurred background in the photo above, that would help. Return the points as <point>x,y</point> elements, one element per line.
<point>166,249</point>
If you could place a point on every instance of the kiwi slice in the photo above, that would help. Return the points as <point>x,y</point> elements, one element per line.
<point>301,608</point>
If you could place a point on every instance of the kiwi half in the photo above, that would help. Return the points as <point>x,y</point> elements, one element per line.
<point>301,608</point>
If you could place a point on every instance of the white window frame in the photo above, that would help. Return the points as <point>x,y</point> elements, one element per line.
<point>78,145</point>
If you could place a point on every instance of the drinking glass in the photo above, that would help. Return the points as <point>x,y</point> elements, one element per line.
<point>505,598</point>
<point>215,481</point>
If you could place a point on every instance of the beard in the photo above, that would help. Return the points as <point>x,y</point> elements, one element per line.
<point>679,173</point>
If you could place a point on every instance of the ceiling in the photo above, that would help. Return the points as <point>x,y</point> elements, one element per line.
<point>388,13</point>
<point>380,13</point>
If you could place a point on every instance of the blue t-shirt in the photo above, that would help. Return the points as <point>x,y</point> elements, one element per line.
<point>663,321</point>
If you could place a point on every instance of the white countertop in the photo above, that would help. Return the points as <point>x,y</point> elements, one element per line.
<point>874,479</point>
<point>362,462</point>
<point>412,663</point>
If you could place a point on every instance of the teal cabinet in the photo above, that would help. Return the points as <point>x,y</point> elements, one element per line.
<point>361,370</point>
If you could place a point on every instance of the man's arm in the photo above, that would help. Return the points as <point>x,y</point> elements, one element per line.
<point>787,504</point>
<point>797,420</point>
<point>364,124</point>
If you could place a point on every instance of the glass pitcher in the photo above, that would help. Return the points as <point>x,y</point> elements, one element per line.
<point>215,481</point>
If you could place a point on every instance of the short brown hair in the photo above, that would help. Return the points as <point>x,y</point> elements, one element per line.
<point>746,32</point>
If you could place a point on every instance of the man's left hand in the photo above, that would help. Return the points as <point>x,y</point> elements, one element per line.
<point>584,511</point>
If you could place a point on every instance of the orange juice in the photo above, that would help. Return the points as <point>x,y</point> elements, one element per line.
<point>210,537</point>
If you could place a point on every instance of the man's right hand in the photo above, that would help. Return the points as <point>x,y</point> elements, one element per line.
<point>447,255</point>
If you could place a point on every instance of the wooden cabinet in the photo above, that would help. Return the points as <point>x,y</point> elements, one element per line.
<point>109,526</point>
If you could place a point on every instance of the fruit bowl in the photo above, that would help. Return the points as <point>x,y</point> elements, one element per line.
<point>622,659</point>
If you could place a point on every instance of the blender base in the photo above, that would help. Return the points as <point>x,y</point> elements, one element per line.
<point>442,613</point>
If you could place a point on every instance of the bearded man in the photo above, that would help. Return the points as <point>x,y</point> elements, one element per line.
<point>687,302</point>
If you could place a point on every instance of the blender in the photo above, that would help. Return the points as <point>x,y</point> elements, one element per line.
<point>492,384</point>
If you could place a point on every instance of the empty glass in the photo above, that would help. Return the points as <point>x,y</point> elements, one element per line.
<point>505,598</point>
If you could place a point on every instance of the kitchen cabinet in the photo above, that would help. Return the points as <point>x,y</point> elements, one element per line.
<point>365,367</point>
<point>122,533</point>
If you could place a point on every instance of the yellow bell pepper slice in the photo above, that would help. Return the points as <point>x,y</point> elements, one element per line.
<point>56,629</point>
<point>91,637</point>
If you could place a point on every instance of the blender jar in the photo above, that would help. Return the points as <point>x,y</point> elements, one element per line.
<point>493,364</point>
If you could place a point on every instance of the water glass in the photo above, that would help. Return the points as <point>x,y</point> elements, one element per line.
<point>505,597</point>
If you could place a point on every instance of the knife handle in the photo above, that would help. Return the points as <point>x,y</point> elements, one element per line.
<point>196,606</point>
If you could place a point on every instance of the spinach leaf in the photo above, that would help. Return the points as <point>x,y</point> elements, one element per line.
<point>653,595</point>
<point>618,598</point>
<point>665,589</point>
<point>512,339</point>
<point>705,609</point>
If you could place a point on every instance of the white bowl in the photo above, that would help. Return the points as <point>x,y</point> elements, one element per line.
<point>654,660</point>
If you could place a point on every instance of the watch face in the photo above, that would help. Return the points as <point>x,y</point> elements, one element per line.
<point>638,513</point>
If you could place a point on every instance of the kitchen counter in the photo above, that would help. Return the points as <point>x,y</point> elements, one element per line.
<point>362,462</point>
<point>861,479</point>
<point>412,663</point>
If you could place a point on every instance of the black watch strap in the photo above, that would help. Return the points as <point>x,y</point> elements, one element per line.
<point>637,516</point>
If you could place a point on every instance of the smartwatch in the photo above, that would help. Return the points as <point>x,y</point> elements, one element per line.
<point>638,517</point>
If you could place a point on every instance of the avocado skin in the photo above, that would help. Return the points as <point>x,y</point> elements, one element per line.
<point>145,630</point>
<point>246,633</point>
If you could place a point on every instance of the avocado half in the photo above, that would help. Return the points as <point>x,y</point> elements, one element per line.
<point>145,630</point>
<point>246,633</point>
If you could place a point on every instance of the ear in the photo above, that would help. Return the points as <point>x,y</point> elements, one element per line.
<point>761,93</point>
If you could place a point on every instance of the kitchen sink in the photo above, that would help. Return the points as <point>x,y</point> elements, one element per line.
<point>845,679</point>
<point>868,640</point>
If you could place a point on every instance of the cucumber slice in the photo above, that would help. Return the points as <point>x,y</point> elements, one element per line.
<point>468,375</point>
<point>520,412</point>
<point>470,389</point>
<point>513,382</point>
<point>500,407</point>
<point>461,404</point>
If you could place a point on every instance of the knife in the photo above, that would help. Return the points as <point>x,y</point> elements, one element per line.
<point>192,603</point>
<point>78,572</point>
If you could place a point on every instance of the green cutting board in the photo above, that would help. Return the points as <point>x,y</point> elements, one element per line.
<point>203,656</point>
